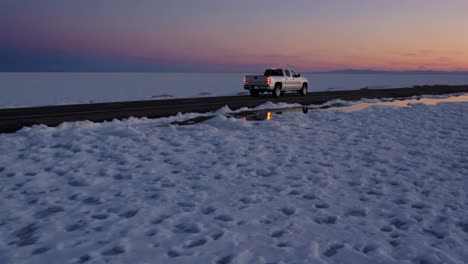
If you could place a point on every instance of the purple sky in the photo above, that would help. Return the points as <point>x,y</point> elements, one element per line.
<point>226,36</point>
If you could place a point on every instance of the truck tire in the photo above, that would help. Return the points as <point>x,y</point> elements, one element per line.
<point>277,91</point>
<point>303,90</point>
<point>254,93</point>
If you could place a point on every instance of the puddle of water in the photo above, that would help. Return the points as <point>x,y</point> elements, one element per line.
<point>404,103</point>
<point>267,114</point>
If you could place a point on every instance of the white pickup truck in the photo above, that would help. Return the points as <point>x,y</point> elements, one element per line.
<point>276,81</point>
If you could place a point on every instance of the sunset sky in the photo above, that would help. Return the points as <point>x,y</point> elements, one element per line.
<point>232,36</point>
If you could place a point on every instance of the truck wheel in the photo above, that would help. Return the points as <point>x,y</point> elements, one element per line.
<point>254,93</point>
<point>303,91</point>
<point>277,91</point>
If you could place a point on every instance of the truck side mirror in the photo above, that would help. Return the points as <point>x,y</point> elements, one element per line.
<point>298,75</point>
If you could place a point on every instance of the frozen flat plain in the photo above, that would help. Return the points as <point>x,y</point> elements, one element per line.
<point>39,89</point>
<point>381,185</point>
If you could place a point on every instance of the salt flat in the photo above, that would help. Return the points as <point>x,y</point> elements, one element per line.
<point>381,185</point>
<point>42,89</point>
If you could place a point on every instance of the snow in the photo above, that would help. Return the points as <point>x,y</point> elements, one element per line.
<point>39,89</point>
<point>381,185</point>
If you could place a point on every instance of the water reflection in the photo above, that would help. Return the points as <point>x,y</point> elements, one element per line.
<point>267,114</point>
<point>404,103</point>
<point>262,115</point>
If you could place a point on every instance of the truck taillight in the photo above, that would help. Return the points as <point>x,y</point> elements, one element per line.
<point>245,80</point>
<point>268,80</point>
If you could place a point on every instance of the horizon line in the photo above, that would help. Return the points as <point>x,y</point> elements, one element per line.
<point>341,71</point>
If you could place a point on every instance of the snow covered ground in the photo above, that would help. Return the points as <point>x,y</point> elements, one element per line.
<point>39,89</point>
<point>381,185</point>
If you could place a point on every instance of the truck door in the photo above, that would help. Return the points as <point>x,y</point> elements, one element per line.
<point>296,82</point>
<point>287,80</point>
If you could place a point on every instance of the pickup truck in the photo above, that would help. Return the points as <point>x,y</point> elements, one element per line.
<point>276,81</point>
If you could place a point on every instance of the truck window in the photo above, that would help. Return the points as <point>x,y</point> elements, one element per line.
<point>271,72</point>
<point>293,73</point>
<point>288,74</point>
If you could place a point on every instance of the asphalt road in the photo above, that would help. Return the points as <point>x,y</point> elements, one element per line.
<point>12,120</point>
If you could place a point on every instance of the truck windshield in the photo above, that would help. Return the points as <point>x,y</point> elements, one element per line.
<point>273,73</point>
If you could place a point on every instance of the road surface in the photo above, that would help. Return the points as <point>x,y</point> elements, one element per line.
<point>14,119</point>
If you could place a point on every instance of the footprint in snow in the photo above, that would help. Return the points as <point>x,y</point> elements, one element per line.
<point>247,200</point>
<point>418,218</point>
<point>168,184</point>
<point>216,235</point>
<point>284,244</point>
<point>288,210</point>
<point>375,192</point>
<point>225,259</point>
<point>117,250</point>
<point>84,259</point>
<point>386,229</point>
<point>48,212</point>
<point>400,201</point>
<point>173,254</point>
<point>400,224</point>
<point>188,228</point>
<point>354,183</point>
<point>463,226</point>
<point>309,196</point>
<point>333,249</point>
<point>151,232</point>
<point>77,183</point>
<point>322,206</point>
<point>364,198</point>
<point>186,204</point>
<point>224,218</point>
<point>420,206</point>
<point>129,214</point>
<point>195,243</point>
<point>160,219</point>
<point>278,233</point>
<point>26,235</point>
<point>369,248</point>
<point>91,201</point>
<point>120,177</point>
<point>208,210</point>
<point>40,251</point>
<point>329,220</point>
<point>439,234</point>
<point>394,243</point>
<point>358,212</point>
<point>80,224</point>
<point>295,192</point>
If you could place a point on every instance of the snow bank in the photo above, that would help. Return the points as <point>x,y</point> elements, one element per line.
<point>384,185</point>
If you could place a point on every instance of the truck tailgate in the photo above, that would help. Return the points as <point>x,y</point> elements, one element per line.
<point>256,80</point>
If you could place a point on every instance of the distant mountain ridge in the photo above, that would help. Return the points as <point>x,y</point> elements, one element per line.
<point>351,71</point>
